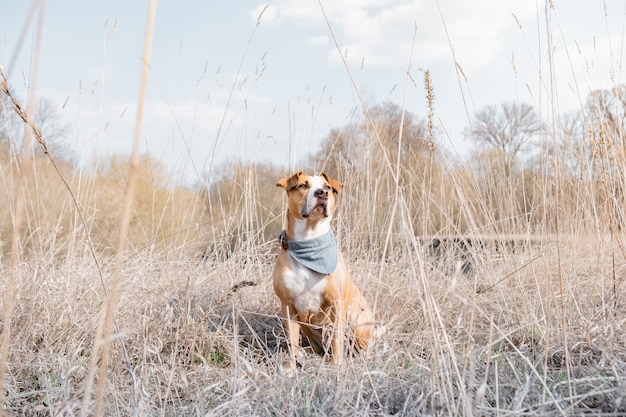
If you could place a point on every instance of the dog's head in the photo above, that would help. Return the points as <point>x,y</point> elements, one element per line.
<point>310,196</point>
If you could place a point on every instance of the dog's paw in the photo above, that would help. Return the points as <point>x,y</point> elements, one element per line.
<point>291,364</point>
<point>290,368</point>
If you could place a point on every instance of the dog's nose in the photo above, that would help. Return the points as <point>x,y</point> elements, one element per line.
<point>321,193</point>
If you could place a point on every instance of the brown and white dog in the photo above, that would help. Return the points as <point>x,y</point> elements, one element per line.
<point>311,278</point>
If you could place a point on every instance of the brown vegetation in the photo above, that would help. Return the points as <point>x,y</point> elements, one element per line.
<point>518,309</point>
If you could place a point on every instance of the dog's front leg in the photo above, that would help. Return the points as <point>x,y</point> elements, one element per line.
<point>337,336</point>
<point>292,328</point>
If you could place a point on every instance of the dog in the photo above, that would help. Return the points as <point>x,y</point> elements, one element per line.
<point>311,278</point>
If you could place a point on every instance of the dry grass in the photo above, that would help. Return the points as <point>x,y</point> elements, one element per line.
<point>489,310</point>
<point>164,217</point>
<point>502,294</point>
<point>480,322</point>
<point>204,338</point>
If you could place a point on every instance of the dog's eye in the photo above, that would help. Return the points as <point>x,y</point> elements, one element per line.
<point>303,185</point>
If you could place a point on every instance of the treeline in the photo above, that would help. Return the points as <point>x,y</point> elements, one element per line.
<point>164,217</point>
<point>525,175</point>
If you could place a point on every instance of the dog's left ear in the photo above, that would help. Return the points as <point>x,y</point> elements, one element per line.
<point>335,185</point>
<point>289,182</point>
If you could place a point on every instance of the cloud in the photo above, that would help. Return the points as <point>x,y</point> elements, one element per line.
<point>288,10</point>
<point>319,40</point>
<point>583,66</point>
<point>379,32</point>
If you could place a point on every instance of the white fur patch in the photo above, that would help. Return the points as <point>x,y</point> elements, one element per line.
<point>302,231</point>
<point>317,183</point>
<point>307,288</point>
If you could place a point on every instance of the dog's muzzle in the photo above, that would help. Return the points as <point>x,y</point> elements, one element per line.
<point>317,204</point>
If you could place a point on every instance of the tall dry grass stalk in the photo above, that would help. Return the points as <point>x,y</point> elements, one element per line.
<point>9,293</point>
<point>104,334</point>
<point>557,199</point>
<point>25,167</point>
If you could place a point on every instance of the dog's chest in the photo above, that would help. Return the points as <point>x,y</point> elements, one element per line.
<point>306,287</point>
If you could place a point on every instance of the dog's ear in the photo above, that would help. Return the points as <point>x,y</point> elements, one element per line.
<point>289,182</point>
<point>335,185</point>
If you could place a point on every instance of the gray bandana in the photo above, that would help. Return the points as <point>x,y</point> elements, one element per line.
<point>318,254</point>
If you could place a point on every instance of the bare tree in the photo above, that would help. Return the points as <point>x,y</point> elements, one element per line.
<point>48,122</point>
<point>342,150</point>
<point>607,108</point>
<point>508,127</point>
<point>352,146</point>
<point>606,126</point>
<point>8,119</point>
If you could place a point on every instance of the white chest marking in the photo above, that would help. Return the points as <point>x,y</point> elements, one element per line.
<point>306,287</point>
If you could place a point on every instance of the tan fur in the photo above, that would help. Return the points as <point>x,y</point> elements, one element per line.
<point>326,307</point>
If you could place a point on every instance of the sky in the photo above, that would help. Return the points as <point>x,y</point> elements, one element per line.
<point>266,81</point>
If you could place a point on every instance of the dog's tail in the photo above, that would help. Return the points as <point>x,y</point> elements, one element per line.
<point>380,330</point>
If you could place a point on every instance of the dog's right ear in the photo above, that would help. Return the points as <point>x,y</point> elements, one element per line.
<point>335,185</point>
<point>289,182</point>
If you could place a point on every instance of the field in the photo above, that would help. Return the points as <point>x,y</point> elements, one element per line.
<point>499,278</point>
<point>478,324</point>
